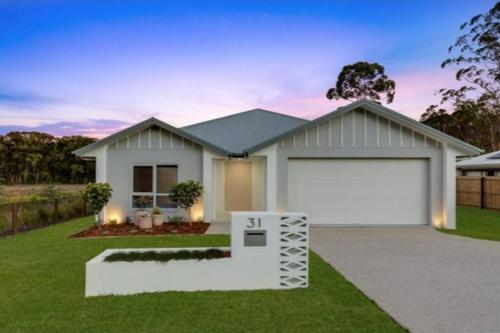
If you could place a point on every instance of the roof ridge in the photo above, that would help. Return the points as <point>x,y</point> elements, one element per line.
<point>243,112</point>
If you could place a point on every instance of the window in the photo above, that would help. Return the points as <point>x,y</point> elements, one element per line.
<point>152,184</point>
<point>143,179</point>
<point>491,173</point>
<point>166,177</point>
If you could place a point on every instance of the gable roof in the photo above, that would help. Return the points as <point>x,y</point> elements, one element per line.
<point>144,125</point>
<point>490,160</point>
<point>250,131</point>
<point>238,132</point>
<point>381,110</point>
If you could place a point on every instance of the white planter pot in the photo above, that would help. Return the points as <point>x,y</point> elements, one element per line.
<point>138,214</point>
<point>144,221</point>
<point>157,220</point>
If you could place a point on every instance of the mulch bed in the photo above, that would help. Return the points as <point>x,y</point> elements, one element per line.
<point>126,229</point>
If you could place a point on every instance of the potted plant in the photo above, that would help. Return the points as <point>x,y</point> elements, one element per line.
<point>142,215</point>
<point>157,217</point>
<point>97,195</point>
<point>186,195</point>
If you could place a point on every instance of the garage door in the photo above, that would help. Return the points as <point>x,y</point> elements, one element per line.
<point>359,191</point>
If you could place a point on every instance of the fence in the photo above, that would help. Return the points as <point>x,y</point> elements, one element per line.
<point>24,216</point>
<point>483,192</point>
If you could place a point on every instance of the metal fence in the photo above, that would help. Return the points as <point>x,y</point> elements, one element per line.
<point>24,216</point>
<point>483,192</point>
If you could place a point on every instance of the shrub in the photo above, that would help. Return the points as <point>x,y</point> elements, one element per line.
<point>156,210</point>
<point>186,194</point>
<point>167,255</point>
<point>97,195</point>
<point>175,218</point>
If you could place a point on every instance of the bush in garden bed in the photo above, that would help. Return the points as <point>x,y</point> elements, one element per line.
<point>167,256</point>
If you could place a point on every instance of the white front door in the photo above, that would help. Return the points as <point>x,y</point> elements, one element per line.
<point>238,196</point>
<point>359,191</point>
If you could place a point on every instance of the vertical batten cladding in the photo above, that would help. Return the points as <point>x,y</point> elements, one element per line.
<point>358,129</point>
<point>154,138</point>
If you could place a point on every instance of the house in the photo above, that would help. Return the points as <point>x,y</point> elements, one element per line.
<point>483,165</point>
<point>362,164</point>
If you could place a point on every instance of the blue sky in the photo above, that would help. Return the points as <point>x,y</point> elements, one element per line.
<point>92,67</point>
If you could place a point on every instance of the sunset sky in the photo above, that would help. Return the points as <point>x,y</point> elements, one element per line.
<point>93,67</point>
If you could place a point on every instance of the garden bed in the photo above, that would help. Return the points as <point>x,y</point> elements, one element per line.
<point>166,256</point>
<point>126,229</point>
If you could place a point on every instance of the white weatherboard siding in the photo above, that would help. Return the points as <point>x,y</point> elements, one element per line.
<point>359,191</point>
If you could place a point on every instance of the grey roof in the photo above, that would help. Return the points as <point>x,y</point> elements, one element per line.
<point>250,131</point>
<point>238,132</point>
<point>368,105</point>
<point>490,160</point>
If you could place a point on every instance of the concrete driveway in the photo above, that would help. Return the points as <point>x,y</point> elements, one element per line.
<point>426,280</point>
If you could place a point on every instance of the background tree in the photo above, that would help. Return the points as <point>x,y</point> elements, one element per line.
<point>34,157</point>
<point>475,115</point>
<point>363,80</point>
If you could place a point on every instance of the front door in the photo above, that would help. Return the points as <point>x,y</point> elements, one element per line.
<point>238,186</point>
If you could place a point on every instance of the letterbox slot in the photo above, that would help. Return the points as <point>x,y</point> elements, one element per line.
<point>255,238</point>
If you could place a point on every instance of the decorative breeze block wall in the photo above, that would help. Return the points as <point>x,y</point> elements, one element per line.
<point>294,252</point>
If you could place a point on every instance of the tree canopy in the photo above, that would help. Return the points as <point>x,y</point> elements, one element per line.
<point>475,106</point>
<point>363,80</point>
<point>34,157</point>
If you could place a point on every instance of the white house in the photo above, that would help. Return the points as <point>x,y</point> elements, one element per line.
<point>362,164</point>
<point>483,165</point>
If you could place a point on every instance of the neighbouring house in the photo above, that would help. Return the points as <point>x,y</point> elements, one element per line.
<point>479,166</point>
<point>362,164</point>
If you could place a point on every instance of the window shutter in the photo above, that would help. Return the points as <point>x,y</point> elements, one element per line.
<point>166,177</point>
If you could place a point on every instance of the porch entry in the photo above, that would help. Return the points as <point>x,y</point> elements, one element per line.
<point>239,186</point>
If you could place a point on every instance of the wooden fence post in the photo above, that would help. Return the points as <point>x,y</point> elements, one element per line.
<point>14,218</point>
<point>56,206</point>
<point>483,179</point>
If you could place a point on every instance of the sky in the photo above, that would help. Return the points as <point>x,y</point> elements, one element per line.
<point>94,67</point>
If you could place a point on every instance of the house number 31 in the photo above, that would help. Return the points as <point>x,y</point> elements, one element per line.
<point>254,222</point>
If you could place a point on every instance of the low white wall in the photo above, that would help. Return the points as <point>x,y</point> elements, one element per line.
<point>281,262</point>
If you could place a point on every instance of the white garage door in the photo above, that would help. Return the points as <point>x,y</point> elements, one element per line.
<point>359,191</point>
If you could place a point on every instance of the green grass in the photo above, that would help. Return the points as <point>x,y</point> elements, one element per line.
<point>477,223</point>
<point>42,276</point>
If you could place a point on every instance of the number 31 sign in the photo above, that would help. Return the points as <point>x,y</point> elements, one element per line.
<point>254,222</point>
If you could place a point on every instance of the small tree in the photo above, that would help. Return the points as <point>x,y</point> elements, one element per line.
<point>97,195</point>
<point>186,194</point>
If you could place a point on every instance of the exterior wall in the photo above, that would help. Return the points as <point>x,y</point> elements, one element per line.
<point>270,155</point>
<point>449,187</point>
<point>149,147</point>
<point>279,260</point>
<point>362,134</point>
<point>258,185</point>
<point>219,197</point>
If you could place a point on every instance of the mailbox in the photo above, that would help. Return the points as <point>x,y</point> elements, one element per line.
<point>255,238</point>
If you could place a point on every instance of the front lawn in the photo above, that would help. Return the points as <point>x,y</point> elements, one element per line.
<point>42,275</point>
<point>477,223</point>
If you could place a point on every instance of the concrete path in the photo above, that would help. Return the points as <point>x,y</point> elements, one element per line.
<point>219,229</point>
<point>427,281</point>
